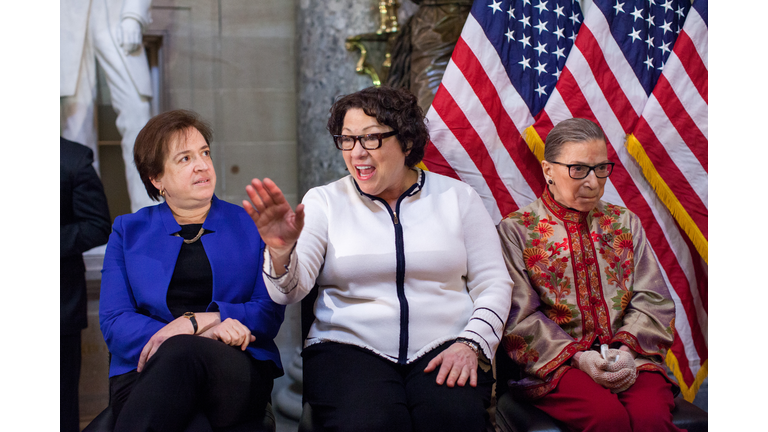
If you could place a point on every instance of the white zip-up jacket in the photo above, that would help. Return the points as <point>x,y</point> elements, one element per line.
<point>400,281</point>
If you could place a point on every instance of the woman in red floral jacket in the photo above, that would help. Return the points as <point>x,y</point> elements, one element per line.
<point>585,278</point>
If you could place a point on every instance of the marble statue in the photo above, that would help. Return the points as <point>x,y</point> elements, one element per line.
<point>110,32</point>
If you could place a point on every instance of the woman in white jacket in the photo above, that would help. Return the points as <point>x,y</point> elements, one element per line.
<point>413,291</point>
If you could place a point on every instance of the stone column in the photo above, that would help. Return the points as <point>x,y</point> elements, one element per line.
<point>326,70</point>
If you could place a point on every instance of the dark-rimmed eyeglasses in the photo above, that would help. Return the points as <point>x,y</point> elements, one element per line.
<point>367,141</point>
<point>578,171</point>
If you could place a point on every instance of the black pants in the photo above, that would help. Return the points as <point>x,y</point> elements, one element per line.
<point>69,368</point>
<point>352,389</point>
<point>189,375</point>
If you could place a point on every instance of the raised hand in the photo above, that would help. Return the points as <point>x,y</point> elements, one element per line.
<point>278,224</point>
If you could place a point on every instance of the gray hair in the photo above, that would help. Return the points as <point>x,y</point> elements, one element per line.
<point>575,130</point>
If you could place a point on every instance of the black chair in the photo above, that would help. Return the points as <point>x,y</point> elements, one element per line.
<point>516,415</point>
<point>307,422</point>
<point>105,421</point>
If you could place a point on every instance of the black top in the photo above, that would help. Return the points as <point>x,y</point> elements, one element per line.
<point>191,287</point>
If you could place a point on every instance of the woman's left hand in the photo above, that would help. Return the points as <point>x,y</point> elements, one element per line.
<point>232,332</point>
<point>180,325</point>
<point>458,363</point>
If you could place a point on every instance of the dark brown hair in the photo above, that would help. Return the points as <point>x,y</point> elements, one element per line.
<point>575,130</point>
<point>396,108</point>
<point>151,147</point>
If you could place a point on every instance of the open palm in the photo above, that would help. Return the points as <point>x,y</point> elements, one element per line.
<point>278,224</point>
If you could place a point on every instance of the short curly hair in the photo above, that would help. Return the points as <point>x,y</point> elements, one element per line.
<point>151,146</point>
<point>397,108</point>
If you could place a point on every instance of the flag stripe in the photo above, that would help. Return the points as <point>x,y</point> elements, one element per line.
<point>483,92</point>
<point>658,138</point>
<point>656,135</point>
<point>695,69</point>
<point>687,77</point>
<point>686,126</point>
<point>683,345</point>
<point>674,181</point>
<point>601,35</point>
<point>587,50</point>
<point>696,29</point>
<point>701,299</point>
<point>665,194</point>
<point>474,38</point>
<point>681,143</point>
<point>679,351</point>
<point>558,110</point>
<point>453,152</point>
<point>436,163</point>
<point>462,129</point>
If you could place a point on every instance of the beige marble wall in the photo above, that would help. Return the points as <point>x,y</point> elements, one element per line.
<point>233,61</point>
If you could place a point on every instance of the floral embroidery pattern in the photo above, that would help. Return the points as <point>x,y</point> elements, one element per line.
<point>598,253</point>
<point>616,246</point>
<point>546,267</point>
<point>560,314</point>
<point>671,328</point>
<point>519,350</point>
<point>620,302</point>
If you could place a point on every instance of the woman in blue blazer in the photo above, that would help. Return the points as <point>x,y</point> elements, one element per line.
<point>183,308</point>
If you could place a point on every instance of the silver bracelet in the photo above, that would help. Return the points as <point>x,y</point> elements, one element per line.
<point>471,344</point>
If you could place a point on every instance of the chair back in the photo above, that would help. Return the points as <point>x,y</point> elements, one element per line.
<point>308,312</point>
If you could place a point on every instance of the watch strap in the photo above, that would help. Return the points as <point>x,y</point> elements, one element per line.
<point>474,346</point>
<point>192,319</point>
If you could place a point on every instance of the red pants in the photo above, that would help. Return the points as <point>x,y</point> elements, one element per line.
<point>584,405</point>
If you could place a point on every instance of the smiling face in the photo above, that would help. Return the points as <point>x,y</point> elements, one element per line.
<point>188,177</point>
<point>381,172</point>
<point>583,194</point>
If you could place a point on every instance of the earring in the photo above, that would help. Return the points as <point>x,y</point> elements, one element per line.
<point>551,182</point>
<point>162,192</point>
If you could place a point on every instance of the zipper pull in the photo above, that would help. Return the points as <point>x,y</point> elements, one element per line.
<point>395,214</point>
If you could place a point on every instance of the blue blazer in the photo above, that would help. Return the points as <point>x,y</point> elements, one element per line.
<point>138,265</point>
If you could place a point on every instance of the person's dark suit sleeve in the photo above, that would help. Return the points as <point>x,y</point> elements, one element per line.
<point>91,225</point>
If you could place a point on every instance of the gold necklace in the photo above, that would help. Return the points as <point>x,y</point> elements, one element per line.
<point>192,240</point>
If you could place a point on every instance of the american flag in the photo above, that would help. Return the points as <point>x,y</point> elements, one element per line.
<point>670,141</point>
<point>522,66</point>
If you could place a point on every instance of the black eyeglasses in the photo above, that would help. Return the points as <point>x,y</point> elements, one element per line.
<point>368,141</point>
<point>578,172</point>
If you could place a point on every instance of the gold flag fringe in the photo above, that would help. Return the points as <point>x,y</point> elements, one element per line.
<point>534,142</point>
<point>689,392</point>
<point>668,197</point>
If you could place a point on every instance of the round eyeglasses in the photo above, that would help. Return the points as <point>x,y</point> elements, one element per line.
<point>368,141</point>
<point>578,171</point>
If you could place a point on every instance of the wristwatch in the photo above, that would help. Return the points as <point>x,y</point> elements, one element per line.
<point>191,317</point>
<point>471,344</point>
